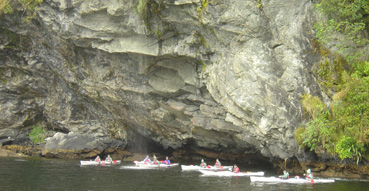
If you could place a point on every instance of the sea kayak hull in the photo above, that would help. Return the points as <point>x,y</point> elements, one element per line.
<point>152,165</point>
<point>195,168</point>
<point>230,173</point>
<point>290,180</point>
<point>99,163</point>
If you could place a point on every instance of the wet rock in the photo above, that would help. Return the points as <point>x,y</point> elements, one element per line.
<point>10,153</point>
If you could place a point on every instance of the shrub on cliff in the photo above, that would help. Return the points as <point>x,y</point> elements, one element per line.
<point>37,135</point>
<point>349,18</point>
<point>343,127</point>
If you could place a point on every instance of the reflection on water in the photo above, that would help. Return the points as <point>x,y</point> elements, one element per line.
<point>52,174</point>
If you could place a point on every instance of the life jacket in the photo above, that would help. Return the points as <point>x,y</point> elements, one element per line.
<point>308,176</point>
<point>236,170</point>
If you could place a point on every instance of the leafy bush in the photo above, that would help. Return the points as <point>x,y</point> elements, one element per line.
<point>349,148</point>
<point>37,135</point>
<point>343,127</point>
<point>350,18</point>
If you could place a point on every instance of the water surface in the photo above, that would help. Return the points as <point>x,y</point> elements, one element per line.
<point>54,174</point>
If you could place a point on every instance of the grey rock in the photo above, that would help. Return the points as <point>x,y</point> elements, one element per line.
<point>229,78</point>
<point>74,141</point>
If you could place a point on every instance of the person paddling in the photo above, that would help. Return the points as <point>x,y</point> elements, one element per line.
<point>97,159</point>
<point>285,175</point>
<point>236,169</point>
<point>155,160</point>
<point>167,161</point>
<point>147,159</point>
<point>203,163</point>
<point>217,164</point>
<point>309,175</point>
<point>108,159</point>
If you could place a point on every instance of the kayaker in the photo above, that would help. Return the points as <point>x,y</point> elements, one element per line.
<point>203,163</point>
<point>108,159</point>
<point>217,163</point>
<point>155,160</point>
<point>309,175</point>
<point>97,159</point>
<point>147,159</point>
<point>167,161</point>
<point>285,175</point>
<point>236,169</point>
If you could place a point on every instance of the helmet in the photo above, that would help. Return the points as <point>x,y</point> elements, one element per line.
<point>284,171</point>
<point>308,170</point>
<point>202,160</point>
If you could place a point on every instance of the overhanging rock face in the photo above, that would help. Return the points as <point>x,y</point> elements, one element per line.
<point>225,77</point>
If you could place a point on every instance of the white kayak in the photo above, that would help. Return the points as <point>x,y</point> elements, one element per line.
<point>290,180</point>
<point>230,173</point>
<point>152,165</point>
<point>91,162</point>
<point>195,167</point>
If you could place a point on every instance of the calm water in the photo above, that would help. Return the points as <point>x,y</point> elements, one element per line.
<point>51,174</point>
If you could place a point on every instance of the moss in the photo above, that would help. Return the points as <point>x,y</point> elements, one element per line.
<point>147,9</point>
<point>29,8</point>
<point>312,104</point>
<point>202,7</point>
<point>12,37</point>
<point>330,72</point>
<point>203,68</point>
<point>298,136</point>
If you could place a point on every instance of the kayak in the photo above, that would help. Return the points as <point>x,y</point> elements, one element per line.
<point>290,180</point>
<point>91,162</point>
<point>195,167</point>
<point>152,165</point>
<point>230,173</point>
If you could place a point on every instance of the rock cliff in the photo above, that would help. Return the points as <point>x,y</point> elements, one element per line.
<point>217,75</point>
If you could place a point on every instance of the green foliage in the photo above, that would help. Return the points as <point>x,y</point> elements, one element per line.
<point>29,7</point>
<point>203,5</point>
<point>349,148</point>
<point>201,9</point>
<point>330,73</point>
<point>350,18</point>
<point>319,132</point>
<point>343,127</point>
<point>260,4</point>
<point>37,135</point>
